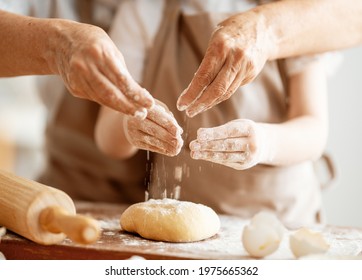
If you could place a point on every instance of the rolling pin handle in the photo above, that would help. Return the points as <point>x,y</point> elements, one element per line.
<point>78,228</point>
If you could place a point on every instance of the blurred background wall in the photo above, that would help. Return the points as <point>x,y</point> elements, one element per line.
<point>343,201</point>
<point>22,122</point>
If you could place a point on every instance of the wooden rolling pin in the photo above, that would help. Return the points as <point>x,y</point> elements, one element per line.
<point>41,213</point>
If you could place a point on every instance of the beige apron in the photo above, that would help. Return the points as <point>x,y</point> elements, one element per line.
<point>76,166</point>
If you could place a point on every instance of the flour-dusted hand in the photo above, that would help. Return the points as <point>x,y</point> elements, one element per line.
<point>239,144</point>
<point>236,53</point>
<point>92,67</point>
<point>85,57</point>
<point>159,132</point>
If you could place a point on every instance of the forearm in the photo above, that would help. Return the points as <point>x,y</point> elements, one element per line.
<point>296,140</point>
<point>110,135</point>
<point>24,45</point>
<point>307,27</point>
<point>34,46</point>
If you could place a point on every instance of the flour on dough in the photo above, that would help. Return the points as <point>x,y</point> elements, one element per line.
<point>171,220</point>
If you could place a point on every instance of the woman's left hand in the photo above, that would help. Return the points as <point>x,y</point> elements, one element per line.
<point>237,51</point>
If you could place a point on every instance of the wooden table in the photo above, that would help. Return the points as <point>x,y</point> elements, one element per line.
<point>117,244</point>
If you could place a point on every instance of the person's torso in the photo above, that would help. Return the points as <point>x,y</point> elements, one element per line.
<point>76,165</point>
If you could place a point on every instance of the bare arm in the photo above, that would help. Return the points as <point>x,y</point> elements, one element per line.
<point>110,135</point>
<point>304,135</point>
<point>24,46</point>
<point>83,55</point>
<point>241,45</point>
<point>313,26</point>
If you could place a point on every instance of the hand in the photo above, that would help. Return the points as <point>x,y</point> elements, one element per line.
<point>159,132</point>
<point>237,52</point>
<point>93,68</point>
<point>239,144</point>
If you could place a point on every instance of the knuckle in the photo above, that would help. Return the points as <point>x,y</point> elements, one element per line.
<point>239,54</point>
<point>234,68</point>
<point>219,88</point>
<point>76,66</point>
<point>219,41</point>
<point>94,49</point>
<point>205,77</point>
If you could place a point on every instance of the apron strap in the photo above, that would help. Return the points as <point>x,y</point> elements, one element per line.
<point>170,13</point>
<point>85,10</point>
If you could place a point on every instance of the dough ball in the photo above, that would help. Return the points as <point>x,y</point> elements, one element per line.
<point>262,236</point>
<point>171,220</point>
<point>307,242</point>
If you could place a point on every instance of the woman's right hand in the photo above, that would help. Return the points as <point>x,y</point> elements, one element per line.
<point>93,68</point>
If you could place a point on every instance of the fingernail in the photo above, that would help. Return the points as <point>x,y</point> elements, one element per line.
<point>180,130</point>
<point>181,107</point>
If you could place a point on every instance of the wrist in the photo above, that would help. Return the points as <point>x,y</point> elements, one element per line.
<point>269,32</point>
<point>268,144</point>
<point>52,36</point>
<point>128,142</point>
<point>58,42</point>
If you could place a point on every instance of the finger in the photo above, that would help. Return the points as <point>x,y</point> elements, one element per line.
<point>229,130</point>
<point>102,91</point>
<point>218,88</point>
<point>149,147</point>
<point>153,129</point>
<point>160,150</point>
<point>220,156</point>
<point>225,145</point>
<point>116,71</point>
<point>161,117</point>
<point>156,145</point>
<point>209,68</point>
<point>82,89</point>
<point>242,78</point>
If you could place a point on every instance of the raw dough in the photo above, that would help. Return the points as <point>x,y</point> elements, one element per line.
<point>171,220</point>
